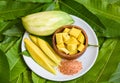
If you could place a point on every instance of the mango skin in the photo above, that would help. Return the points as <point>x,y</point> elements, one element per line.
<point>45,23</point>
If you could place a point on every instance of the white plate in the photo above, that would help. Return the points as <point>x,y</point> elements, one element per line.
<point>87,59</point>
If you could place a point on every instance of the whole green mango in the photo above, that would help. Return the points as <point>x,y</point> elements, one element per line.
<point>45,23</point>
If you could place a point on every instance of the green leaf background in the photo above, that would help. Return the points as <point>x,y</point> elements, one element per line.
<point>102,15</point>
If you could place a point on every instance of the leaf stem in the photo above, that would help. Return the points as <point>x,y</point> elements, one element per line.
<point>93,45</point>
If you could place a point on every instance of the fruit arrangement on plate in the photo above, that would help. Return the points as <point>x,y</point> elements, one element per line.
<point>68,41</point>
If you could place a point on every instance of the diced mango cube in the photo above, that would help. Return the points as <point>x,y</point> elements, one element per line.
<point>81,47</point>
<point>61,45</point>
<point>72,40</point>
<point>73,52</point>
<point>64,50</point>
<point>65,37</point>
<point>59,38</point>
<point>72,47</point>
<point>74,32</point>
<point>81,38</point>
<point>66,30</point>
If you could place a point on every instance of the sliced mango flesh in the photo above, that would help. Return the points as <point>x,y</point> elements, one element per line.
<point>38,55</point>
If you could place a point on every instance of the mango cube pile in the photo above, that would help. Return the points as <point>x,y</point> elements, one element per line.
<point>70,41</point>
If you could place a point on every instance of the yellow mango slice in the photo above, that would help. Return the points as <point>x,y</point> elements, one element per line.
<point>72,40</point>
<point>33,38</point>
<point>71,47</point>
<point>65,36</point>
<point>81,47</point>
<point>57,56</point>
<point>66,30</point>
<point>38,55</point>
<point>81,38</point>
<point>61,45</point>
<point>73,52</point>
<point>64,50</point>
<point>59,38</point>
<point>74,32</point>
<point>45,48</point>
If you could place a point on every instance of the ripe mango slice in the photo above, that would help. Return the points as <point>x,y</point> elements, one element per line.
<point>81,47</point>
<point>38,55</point>
<point>33,38</point>
<point>72,40</point>
<point>59,38</point>
<point>66,30</point>
<point>74,32</point>
<point>65,36</point>
<point>81,38</point>
<point>64,50</point>
<point>45,48</point>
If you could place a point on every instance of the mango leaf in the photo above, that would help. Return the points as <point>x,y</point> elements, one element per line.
<point>7,42</point>
<point>2,4</point>
<point>13,54</point>
<point>13,31</point>
<point>114,1</point>
<point>112,27</point>
<point>115,78</point>
<point>4,25</point>
<point>27,76</point>
<point>19,68</point>
<point>108,13</point>
<point>19,79</point>
<point>103,8</point>
<point>37,79</point>
<point>77,9</point>
<point>106,64</point>
<point>17,65</point>
<point>51,6</point>
<point>14,9</point>
<point>25,53</point>
<point>4,68</point>
<point>41,1</point>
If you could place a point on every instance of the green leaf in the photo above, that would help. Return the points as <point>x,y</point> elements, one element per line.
<point>109,54</point>
<point>51,6</point>
<point>4,25</point>
<point>27,77</point>
<point>14,31</point>
<point>74,8</point>
<point>103,8</point>
<point>25,53</point>
<point>2,4</point>
<point>17,65</point>
<point>115,78</point>
<point>41,1</point>
<point>14,9</point>
<point>113,1</point>
<point>4,68</point>
<point>108,13</point>
<point>7,43</point>
<point>19,79</point>
<point>19,68</point>
<point>112,27</point>
<point>37,79</point>
<point>13,54</point>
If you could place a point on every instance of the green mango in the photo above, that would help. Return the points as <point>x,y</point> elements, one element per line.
<point>45,23</point>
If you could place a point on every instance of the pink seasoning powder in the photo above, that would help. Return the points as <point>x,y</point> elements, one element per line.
<point>70,67</point>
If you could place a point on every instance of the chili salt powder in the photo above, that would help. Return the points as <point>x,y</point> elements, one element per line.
<point>70,67</point>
